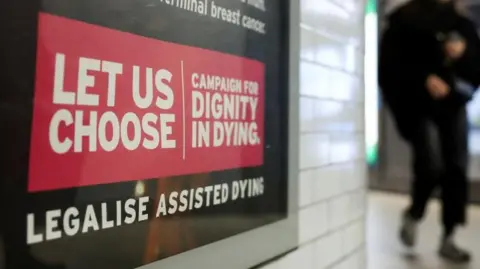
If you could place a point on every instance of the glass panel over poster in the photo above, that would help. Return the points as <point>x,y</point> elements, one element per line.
<point>139,130</point>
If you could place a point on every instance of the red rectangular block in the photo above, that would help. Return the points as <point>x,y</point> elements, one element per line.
<point>111,106</point>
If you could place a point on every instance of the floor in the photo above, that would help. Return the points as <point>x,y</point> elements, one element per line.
<point>385,252</point>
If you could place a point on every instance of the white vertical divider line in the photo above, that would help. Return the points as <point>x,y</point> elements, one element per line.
<point>183,111</point>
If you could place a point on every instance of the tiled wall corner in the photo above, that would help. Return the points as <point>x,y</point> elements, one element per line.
<point>332,174</point>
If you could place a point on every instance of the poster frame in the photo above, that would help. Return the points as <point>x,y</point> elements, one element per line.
<point>256,246</point>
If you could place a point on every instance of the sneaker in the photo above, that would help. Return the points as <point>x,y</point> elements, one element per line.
<point>451,252</point>
<point>408,232</point>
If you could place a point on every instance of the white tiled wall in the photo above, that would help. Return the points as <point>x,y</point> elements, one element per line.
<point>332,166</point>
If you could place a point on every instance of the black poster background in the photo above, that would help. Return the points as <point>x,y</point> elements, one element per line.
<point>131,246</point>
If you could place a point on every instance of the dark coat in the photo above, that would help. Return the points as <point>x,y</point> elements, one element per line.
<point>411,49</point>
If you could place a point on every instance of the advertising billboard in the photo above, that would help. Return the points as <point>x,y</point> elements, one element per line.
<point>139,130</point>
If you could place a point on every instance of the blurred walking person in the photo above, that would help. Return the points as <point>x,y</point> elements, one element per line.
<point>429,69</point>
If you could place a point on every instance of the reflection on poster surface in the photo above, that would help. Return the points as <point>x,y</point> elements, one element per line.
<point>139,129</point>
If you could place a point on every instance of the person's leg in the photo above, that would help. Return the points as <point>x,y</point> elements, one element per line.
<point>454,137</point>
<point>427,169</point>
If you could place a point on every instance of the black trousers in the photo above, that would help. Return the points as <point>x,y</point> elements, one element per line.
<point>440,159</point>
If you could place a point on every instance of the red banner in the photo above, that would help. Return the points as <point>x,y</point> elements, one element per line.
<point>111,106</point>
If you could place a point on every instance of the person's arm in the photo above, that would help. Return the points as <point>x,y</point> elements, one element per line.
<point>467,67</point>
